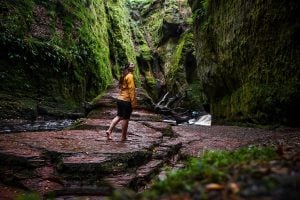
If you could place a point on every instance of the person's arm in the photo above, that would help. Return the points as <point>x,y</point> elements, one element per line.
<point>131,90</point>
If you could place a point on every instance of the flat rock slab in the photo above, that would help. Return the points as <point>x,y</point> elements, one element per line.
<point>84,142</point>
<point>196,139</point>
<point>51,161</point>
<point>87,153</point>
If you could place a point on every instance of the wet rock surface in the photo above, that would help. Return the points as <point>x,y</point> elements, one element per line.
<point>80,161</point>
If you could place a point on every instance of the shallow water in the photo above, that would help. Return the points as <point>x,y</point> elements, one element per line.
<point>12,126</point>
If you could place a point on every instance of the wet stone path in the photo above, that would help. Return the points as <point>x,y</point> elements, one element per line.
<point>80,161</point>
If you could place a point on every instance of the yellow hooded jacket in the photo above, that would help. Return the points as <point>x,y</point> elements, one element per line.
<point>127,92</point>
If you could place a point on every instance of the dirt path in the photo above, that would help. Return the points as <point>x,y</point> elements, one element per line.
<point>81,161</point>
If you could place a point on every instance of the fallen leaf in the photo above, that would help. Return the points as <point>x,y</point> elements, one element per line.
<point>214,186</point>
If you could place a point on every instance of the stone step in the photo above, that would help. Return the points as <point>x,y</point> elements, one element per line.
<point>95,166</point>
<point>145,173</point>
<point>162,127</point>
<point>120,180</point>
<point>73,189</point>
<point>136,178</point>
<point>167,149</point>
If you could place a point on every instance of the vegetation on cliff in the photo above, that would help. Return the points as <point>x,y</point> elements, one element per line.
<point>53,52</point>
<point>166,48</point>
<point>57,54</point>
<point>248,56</point>
<point>120,37</point>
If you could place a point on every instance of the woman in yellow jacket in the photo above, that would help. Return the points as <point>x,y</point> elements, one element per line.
<point>126,101</point>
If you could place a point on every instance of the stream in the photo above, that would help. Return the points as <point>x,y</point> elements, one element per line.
<point>14,126</point>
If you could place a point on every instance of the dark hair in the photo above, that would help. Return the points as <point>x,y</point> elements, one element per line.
<point>123,74</point>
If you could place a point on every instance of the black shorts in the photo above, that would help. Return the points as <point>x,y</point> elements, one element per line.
<point>124,109</point>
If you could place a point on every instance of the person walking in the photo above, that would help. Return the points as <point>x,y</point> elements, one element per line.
<point>125,102</point>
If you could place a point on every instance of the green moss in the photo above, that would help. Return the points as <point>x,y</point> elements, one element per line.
<point>212,167</point>
<point>16,105</point>
<point>150,79</point>
<point>122,47</point>
<point>28,196</point>
<point>145,52</point>
<point>176,74</point>
<point>248,57</point>
<point>19,16</point>
<point>195,96</point>
<point>58,50</point>
<point>258,104</point>
<point>153,26</point>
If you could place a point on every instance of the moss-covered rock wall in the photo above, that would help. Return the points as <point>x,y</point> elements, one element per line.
<point>57,54</point>
<point>248,55</point>
<point>121,44</point>
<point>164,41</point>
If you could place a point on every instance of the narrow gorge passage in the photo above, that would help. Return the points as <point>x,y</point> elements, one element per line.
<point>237,61</point>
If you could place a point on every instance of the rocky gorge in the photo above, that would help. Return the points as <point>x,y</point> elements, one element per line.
<point>60,60</point>
<point>240,60</point>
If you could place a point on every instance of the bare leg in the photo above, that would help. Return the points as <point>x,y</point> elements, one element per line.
<point>124,129</point>
<point>112,126</point>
